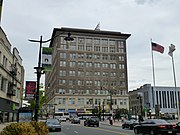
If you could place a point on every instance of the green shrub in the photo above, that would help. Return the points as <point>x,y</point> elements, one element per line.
<point>26,128</point>
<point>19,129</point>
<point>40,127</point>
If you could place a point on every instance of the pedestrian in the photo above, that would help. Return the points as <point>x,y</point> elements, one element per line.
<point>111,120</point>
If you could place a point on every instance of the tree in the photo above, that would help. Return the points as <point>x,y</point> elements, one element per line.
<point>121,112</point>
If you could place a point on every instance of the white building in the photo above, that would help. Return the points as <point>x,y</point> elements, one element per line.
<point>164,97</point>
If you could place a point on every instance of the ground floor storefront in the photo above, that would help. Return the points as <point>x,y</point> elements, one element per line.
<point>8,110</point>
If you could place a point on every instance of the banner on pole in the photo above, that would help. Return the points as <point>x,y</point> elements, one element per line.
<point>30,90</point>
<point>47,58</point>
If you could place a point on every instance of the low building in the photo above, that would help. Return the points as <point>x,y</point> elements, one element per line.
<point>157,100</point>
<point>11,79</point>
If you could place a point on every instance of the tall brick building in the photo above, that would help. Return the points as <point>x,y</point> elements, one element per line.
<point>87,70</point>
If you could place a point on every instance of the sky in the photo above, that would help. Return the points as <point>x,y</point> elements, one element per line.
<point>158,20</point>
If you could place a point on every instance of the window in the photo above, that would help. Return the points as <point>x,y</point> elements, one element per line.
<point>121,44</point>
<point>96,73</point>
<point>122,75</point>
<point>80,73</point>
<point>71,91</point>
<point>104,42</point>
<point>80,101</point>
<point>112,57</point>
<point>113,74</point>
<point>97,56</point>
<point>105,65</point>
<point>80,92</point>
<point>122,84</point>
<point>80,82</point>
<point>120,50</point>
<point>71,73</point>
<point>62,55</point>
<point>81,47</point>
<point>72,64</point>
<point>88,48</point>
<point>71,101</point>
<point>88,83</point>
<point>72,82</point>
<point>81,40</point>
<point>81,55</point>
<point>113,83</point>
<point>121,66</point>
<point>63,63</point>
<point>97,83</point>
<point>105,74</point>
<point>81,64</point>
<point>105,57</point>
<point>89,40</point>
<point>72,46</point>
<point>97,65</point>
<point>96,41</point>
<point>89,64</point>
<point>88,56</point>
<point>62,73</point>
<point>104,49</point>
<point>112,42</point>
<point>97,48</point>
<point>121,58</point>
<point>62,81</point>
<point>62,101</point>
<point>72,55</point>
<point>112,49</point>
<point>113,66</point>
<point>62,91</point>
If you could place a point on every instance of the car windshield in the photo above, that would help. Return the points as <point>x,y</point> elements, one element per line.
<point>52,121</point>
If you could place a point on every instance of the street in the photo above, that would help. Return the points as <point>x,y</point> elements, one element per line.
<point>80,129</point>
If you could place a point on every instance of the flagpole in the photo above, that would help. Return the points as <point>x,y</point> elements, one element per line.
<point>177,99</point>
<point>153,76</point>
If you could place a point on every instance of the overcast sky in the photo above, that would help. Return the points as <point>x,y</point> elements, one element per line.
<point>143,19</point>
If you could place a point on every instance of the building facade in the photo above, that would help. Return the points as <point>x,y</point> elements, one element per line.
<point>11,79</point>
<point>88,72</point>
<point>159,98</point>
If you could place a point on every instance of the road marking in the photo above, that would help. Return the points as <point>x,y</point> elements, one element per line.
<point>76,132</point>
<point>121,133</point>
<point>67,128</point>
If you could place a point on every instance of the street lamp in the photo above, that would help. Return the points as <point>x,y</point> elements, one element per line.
<point>39,69</point>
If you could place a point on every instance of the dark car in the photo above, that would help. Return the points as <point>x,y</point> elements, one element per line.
<point>92,121</point>
<point>155,127</point>
<point>75,120</point>
<point>53,124</point>
<point>178,127</point>
<point>130,124</point>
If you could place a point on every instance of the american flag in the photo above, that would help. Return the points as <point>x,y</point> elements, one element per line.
<point>157,47</point>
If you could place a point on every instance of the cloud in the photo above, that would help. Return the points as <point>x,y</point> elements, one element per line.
<point>141,2</point>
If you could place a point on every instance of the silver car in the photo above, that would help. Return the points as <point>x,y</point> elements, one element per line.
<point>53,124</point>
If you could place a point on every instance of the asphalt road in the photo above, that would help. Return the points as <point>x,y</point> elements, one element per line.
<point>79,129</point>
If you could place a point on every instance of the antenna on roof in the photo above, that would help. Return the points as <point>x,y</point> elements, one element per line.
<point>97,27</point>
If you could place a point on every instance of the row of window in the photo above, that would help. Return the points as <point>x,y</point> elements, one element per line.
<point>83,101</point>
<point>90,82</point>
<point>92,56</point>
<point>85,92</point>
<point>94,41</point>
<point>92,64</point>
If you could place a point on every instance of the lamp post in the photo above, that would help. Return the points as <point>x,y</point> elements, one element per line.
<point>39,69</point>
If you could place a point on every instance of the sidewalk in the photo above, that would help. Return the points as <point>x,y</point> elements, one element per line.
<point>116,123</point>
<point>3,125</point>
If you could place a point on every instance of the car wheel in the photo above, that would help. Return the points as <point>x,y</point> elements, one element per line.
<point>136,131</point>
<point>152,132</point>
<point>59,130</point>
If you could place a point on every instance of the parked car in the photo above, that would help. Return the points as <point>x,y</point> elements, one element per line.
<point>130,124</point>
<point>178,127</point>
<point>155,127</point>
<point>75,120</point>
<point>63,119</point>
<point>92,121</point>
<point>53,124</point>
